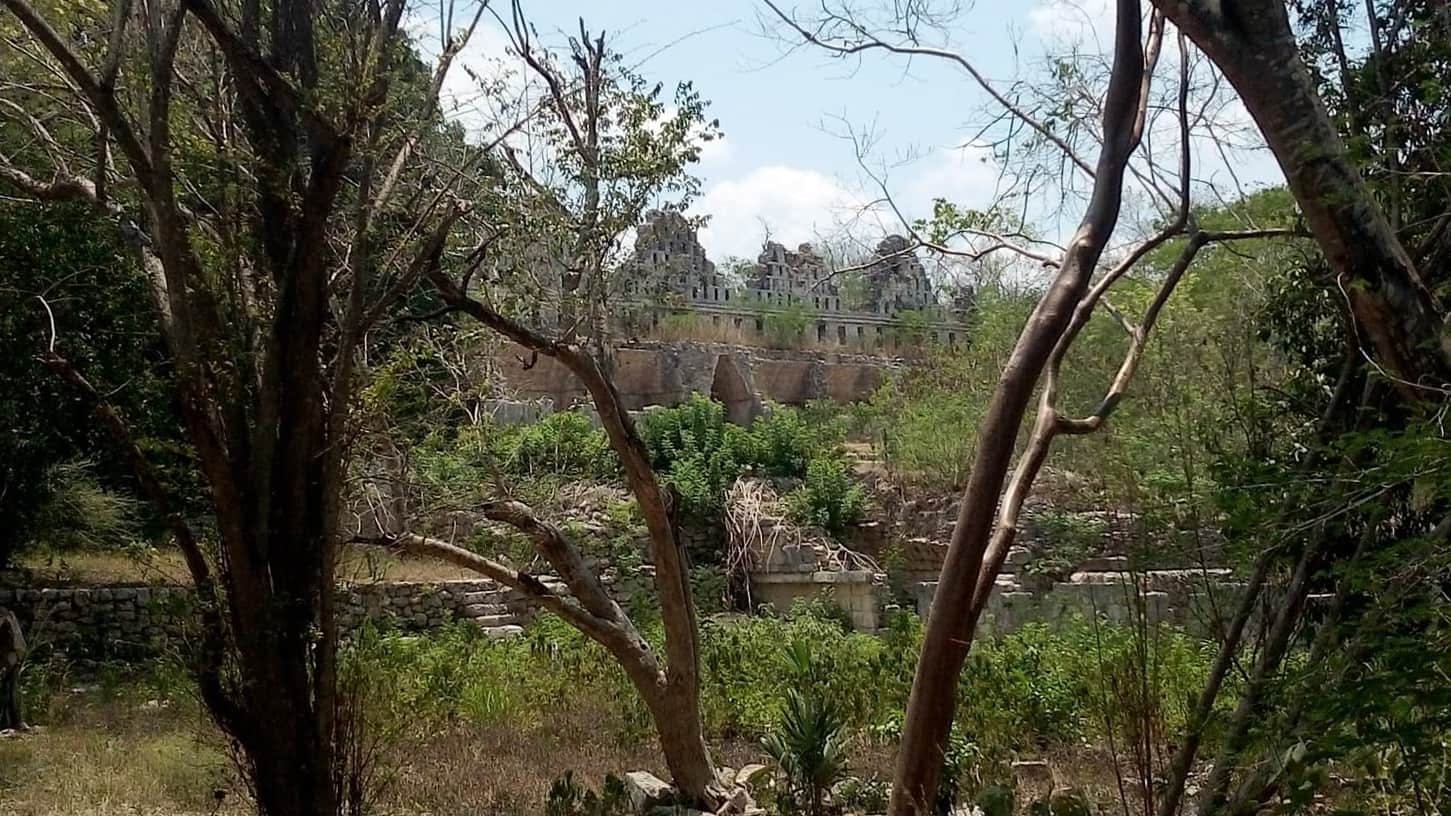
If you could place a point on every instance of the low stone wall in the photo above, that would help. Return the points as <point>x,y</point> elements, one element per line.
<point>857,592</point>
<point>132,621</point>
<point>123,622</point>
<point>1178,597</point>
<point>100,622</point>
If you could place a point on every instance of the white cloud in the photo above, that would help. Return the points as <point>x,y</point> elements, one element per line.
<point>797,205</point>
<point>1073,22</point>
<point>965,176</point>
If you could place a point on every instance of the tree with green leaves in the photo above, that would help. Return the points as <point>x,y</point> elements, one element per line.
<point>610,149</point>
<point>1398,323</point>
<point>266,167</point>
<point>59,267</point>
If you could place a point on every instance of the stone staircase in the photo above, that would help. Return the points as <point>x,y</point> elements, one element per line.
<point>490,610</point>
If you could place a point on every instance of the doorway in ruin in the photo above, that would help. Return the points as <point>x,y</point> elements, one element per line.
<point>730,386</point>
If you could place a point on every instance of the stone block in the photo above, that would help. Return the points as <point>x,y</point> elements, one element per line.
<point>647,791</point>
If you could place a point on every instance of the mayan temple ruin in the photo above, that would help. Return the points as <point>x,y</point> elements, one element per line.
<point>881,304</point>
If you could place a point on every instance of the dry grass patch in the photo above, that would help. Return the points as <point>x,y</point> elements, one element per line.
<point>164,565</point>
<point>116,758</point>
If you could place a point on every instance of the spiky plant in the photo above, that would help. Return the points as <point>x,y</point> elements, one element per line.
<point>809,748</point>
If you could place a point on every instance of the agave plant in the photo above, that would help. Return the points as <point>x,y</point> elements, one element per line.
<point>809,748</point>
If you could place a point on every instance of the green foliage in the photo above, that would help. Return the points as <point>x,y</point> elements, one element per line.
<point>855,795</point>
<point>700,454</point>
<point>894,564</point>
<point>78,512</point>
<point>809,748</point>
<point>961,762</point>
<point>1063,803</point>
<point>709,588</point>
<point>786,440</point>
<point>786,325</point>
<point>470,463</point>
<point>807,683</point>
<point>996,800</point>
<point>697,451</point>
<point>562,443</point>
<point>828,498</point>
<point>102,319</point>
<point>1039,687</point>
<point>570,798</point>
<point>1062,541</point>
<point>927,417</point>
<point>911,328</point>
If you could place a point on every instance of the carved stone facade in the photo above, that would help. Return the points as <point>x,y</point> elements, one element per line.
<point>896,281</point>
<point>670,260</point>
<point>671,273</point>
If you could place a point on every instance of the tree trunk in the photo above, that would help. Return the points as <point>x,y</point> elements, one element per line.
<point>953,621</point>
<point>682,740</point>
<point>12,657</point>
<point>1252,44</point>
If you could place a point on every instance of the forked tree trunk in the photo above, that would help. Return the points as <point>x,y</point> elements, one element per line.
<point>673,692</point>
<point>1252,43</point>
<point>955,610</point>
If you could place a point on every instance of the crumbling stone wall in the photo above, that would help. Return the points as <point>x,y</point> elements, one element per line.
<point>134,621</point>
<point>649,373</point>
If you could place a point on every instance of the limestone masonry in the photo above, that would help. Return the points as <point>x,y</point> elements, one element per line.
<point>869,306</point>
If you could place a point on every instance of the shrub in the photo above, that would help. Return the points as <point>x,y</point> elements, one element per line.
<point>809,748</point>
<point>1062,541</point>
<point>80,513</point>
<point>697,451</point>
<point>700,454</point>
<point>785,442</point>
<point>828,499</point>
<point>563,443</point>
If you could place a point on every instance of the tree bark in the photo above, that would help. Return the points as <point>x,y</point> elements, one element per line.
<point>12,657</point>
<point>953,622</point>
<point>1395,313</point>
<point>675,706</point>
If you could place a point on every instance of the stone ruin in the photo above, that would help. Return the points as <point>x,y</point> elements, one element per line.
<point>669,273</point>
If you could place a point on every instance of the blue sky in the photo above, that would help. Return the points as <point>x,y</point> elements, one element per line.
<point>783,164</point>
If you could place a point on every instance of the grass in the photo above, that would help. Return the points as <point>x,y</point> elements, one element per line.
<point>163,565</point>
<point>117,753</point>
<point>101,752</point>
<point>474,726</point>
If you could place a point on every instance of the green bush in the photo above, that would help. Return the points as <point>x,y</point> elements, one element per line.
<point>1035,689</point>
<point>79,513</point>
<point>1061,542</point>
<point>785,442</point>
<point>828,498</point>
<point>562,443</point>
<point>700,454</point>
